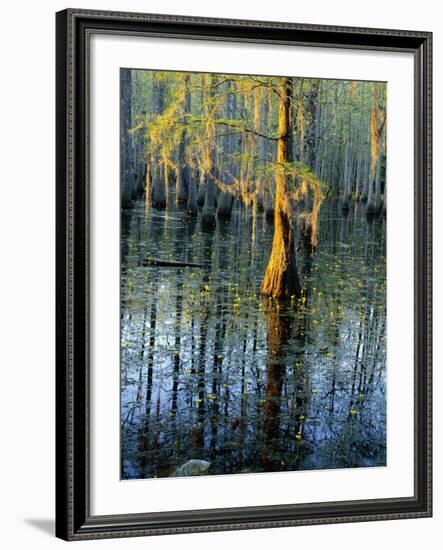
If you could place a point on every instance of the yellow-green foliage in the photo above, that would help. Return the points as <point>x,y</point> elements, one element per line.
<point>249,168</point>
<point>307,191</point>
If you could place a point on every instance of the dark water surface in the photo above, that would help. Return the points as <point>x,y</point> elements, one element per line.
<point>212,370</point>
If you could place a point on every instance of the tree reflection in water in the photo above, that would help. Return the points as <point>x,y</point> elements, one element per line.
<point>212,370</point>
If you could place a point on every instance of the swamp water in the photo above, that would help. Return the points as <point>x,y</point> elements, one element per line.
<point>212,370</point>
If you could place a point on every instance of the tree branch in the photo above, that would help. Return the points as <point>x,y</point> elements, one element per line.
<point>232,124</point>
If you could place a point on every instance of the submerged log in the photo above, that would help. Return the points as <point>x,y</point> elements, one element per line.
<point>168,263</point>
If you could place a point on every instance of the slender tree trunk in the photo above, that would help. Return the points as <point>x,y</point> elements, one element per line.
<point>127,172</point>
<point>225,199</point>
<point>360,164</point>
<point>317,131</point>
<point>366,179</point>
<point>184,172</point>
<point>201,190</point>
<point>208,215</point>
<point>334,178</point>
<point>159,172</point>
<point>348,160</point>
<point>300,125</point>
<point>374,205</point>
<point>191,207</point>
<point>148,184</point>
<point>224,205</point>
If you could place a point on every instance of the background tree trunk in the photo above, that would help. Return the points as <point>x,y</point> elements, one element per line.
<point>127,165</point>
<point>184,171</point>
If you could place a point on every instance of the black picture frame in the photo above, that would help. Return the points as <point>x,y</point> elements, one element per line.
<point>73,518</point>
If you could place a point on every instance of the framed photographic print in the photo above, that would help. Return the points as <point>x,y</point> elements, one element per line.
<point>243,274</point>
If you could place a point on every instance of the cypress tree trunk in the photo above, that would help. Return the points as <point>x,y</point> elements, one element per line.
<point>191,206</point>
<point>208,216</point>
<point>317,131</point>
<point>300,124</point>
<point>224,205</point>
<point>225,199</point>
<point>159,172</point>
<point>126,170</point>
<point>366,180</point>
<point>374,205</point>
<point>148,183</point>
<point>348,163</point>
<point>263,153</point>
<point>184,171</point>
<point>336,144</point>
<point>359,178</point>
<point>159,196</point>
<point>281,279</point>
<point>377,126</point>
<point>201,193</point>
<point>377,198</point>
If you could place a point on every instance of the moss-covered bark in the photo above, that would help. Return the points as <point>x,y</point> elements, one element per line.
<point>281,279</point>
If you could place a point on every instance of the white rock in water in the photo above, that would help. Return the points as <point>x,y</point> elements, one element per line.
<point>193,467</point>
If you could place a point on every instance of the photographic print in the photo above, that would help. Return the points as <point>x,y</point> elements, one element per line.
<point>253,274</point>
